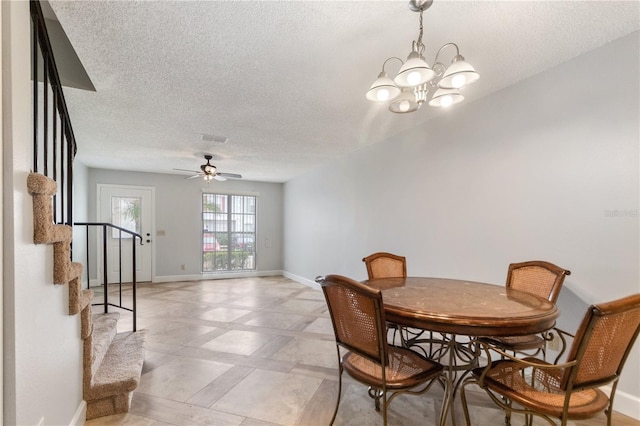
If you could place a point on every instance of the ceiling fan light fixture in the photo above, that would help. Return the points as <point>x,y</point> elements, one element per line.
<point>209,172</point>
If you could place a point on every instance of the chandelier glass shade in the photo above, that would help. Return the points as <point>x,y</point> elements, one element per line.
<point>382,89</point>
<point>414,72</point>
<point>418,82</point>
<point>406,102</point>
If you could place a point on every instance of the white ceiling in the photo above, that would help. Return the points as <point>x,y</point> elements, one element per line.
<point>285,80</point>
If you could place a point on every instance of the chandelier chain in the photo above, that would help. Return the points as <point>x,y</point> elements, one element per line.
<point>419,44</point>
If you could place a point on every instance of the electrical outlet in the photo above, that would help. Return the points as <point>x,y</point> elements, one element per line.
<point>554,343</point>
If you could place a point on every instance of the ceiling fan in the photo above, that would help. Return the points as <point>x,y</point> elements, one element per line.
<point>208,172</point>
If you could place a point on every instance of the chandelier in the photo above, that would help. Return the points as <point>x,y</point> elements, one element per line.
<point>417,82</point>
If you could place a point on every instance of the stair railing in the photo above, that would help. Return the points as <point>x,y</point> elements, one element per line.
<point>54,144</point>
<point>106,227</point>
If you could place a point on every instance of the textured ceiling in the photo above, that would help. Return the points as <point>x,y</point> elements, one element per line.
<point>285,80</point>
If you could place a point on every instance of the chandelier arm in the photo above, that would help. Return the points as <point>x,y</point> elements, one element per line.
<point>443,47</point>
<point>388,59</point>
<point>439,68</point>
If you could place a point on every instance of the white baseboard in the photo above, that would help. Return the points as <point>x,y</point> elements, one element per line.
<point>625,403</point>
<point>201,277</point>
<point>80,416</point>
<point>301,280</point>
<point>215,276</point>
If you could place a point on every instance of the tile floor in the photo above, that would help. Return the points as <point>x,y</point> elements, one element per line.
<point>257,351</point>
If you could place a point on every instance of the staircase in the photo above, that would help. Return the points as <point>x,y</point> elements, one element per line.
<point>112,361</point>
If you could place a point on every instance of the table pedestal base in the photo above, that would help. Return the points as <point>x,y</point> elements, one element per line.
<point>458,357</point>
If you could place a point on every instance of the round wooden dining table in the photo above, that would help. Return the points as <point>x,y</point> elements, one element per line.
<point>463,307</point>
<point>460,311</point>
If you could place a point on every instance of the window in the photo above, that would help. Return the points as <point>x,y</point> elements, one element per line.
<point>228,232</point>
<point>125,213</point>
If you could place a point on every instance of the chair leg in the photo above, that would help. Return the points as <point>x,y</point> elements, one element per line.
<point>384,407</point>
<point>507,412</point>
<point>609,411</point>
<point>375,395</point>
<point>463,398</point>
<point>335,411</point>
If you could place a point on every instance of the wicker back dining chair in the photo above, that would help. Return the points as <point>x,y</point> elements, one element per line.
<point>542,279</point>
<point>358,322</point>
<point>537,277</point>
<point>567,391</point>
<point>385,265</point>
<point>389,265</point>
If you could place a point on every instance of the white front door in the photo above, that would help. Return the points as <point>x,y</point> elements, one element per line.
<point>128,207</point>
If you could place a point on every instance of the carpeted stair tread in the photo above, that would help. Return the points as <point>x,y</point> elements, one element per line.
<point>79,298</point>
<point>63,268</point>
<point>112,362</point>
<point>38,184</point>
<point>75,270</point>
<point>86,297</point>
<point>120,370</point>
<point>86,327</point>
<point>104,331</point>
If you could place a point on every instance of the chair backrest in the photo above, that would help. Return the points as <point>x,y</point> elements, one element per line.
<point>603,342</point>
<point>357,316</point>
<point>537,277</point>
<point>385,265</point>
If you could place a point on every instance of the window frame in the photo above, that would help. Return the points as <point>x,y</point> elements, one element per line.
<point>226,230</point>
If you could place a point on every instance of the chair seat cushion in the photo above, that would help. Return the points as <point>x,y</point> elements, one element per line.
<point>406,369</point>
<point>506,378</point>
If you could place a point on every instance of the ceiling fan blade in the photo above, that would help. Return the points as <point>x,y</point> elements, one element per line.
<point>185,170</point>
<point>230,175</point>
<point>193,177</point>
<point>219,178</point>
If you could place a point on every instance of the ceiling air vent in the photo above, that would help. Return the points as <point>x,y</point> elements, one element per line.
<point>213,138</point>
